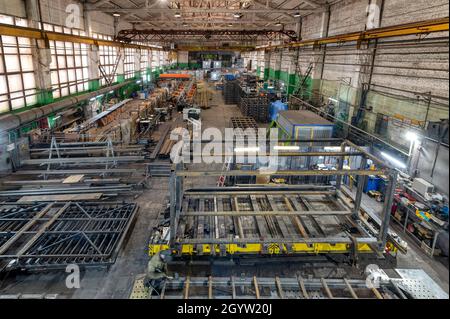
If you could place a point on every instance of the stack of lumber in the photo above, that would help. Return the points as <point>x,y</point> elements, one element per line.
<point>169,144</point>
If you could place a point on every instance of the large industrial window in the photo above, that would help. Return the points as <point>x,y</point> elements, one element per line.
<point>69,66</point>
<point>145,64</point>
<point>108,64</point>
<point>129,64</point>
<point>17,79</point>
<point>144,60</point>
<point>155,60</point>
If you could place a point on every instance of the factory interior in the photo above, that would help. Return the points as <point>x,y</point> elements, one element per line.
<point>208,149</point>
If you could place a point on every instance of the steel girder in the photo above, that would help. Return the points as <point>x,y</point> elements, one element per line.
<point>164,35</point>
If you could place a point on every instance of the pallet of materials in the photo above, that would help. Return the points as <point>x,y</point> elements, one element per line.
<point>231,92</point>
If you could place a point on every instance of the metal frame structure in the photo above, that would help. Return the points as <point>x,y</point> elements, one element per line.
<point>54,235</point>
<point>254,14</point>
<point>412,284</point>
<point>278,230</point>
<point>171,35</point>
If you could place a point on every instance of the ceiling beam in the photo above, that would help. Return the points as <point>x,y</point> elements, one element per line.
<point>195,20</point>
<point>198,10</point>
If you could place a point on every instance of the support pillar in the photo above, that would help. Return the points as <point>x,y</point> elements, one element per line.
<point>318,60</point>
<point>386,216</point>
<point>42,57</point>
<point>93,55</point>
<point>137,65</point>
<point>361,183</point>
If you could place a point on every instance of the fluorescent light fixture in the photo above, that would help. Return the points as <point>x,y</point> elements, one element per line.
<point>335,148</point>
<point>116,14</point>
<point>287,148</point>
<point>138,82</point>
<point>333,100</point>
<point>93,99</point>
<point>411,136</point>
<point>393,160</point>
<point>246,149</point>
<point>99,96</point>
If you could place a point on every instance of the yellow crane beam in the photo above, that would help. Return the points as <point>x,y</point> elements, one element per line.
<point>416,28</point>
<point>16,31</point>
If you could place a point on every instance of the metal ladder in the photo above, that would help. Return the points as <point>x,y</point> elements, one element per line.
<point>226,168</point>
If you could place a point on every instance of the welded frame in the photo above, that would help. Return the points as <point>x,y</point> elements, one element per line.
<point>54,235</point>
<point>377,245</point>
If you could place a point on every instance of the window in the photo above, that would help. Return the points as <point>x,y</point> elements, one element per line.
<point>17,79</point>
<point>69,68</point>
<point>129,66</point>
<point>155,60</point>
<point>108,64</point>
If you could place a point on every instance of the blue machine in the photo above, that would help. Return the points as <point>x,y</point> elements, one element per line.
<point>275,108</point>
<point>229,77</point>
<point>373,184</point>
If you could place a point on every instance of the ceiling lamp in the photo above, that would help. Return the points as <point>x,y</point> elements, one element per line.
<point>230,24</point>
<point>185,24</point>
<point>297,15</point>
<point>177,15</point>
<point>278,24</point>
<point>237,15</point>
<point>116,15</point>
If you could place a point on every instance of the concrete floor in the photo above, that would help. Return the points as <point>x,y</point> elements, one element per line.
<point>117,281</point>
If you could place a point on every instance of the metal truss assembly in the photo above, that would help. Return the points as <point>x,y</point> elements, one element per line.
<point>166,35</point>
<point>54,235</point>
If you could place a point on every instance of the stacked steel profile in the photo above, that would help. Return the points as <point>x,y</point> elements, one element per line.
<point>254,105</point>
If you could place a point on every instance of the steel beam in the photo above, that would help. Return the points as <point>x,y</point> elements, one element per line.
<point>281,173</point>
<point>268,213</point>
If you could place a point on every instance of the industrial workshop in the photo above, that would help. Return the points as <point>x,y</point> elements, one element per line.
<point>209,149</point>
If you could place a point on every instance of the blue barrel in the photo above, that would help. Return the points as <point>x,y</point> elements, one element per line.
<point>275,108</point>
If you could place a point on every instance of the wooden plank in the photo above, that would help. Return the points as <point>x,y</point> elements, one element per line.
<point>327,289</point>
<point>186,287</point>
<point>233,288</point>
<point>26,227</point>
<point>350,288</point>
<point>297,221</point>
<point>42,229</point>
<point>238,220</point>
<point>255,284</point>
<point>61,198</point>
<point>74,179</point>
<point>210,288</point>
<point>263,232</point>
<point>377,293</point>
<point>222,229</point>
<point>280,222</point>
<point>201,219</point>
<point>301,283</point>
<point>279,287</point>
